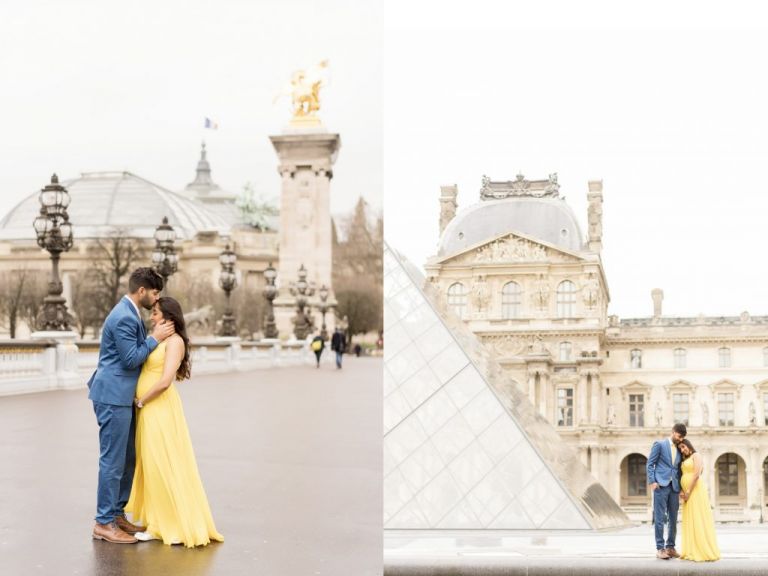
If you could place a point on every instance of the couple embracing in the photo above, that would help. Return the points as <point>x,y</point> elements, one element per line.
<point>674,472</point>
<point>146,462</point>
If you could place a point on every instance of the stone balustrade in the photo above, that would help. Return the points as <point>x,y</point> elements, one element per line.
<point>41,365</point>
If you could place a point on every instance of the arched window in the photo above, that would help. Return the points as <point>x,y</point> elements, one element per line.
<point>566,299</point>
<point>728,475</point>
<point>680,357</point>
<point>637,483</point>
<point>636,358</point>
<point>511,297</point>
<point>724,356</point>
<point>566,349</point>
<point>457,299</point>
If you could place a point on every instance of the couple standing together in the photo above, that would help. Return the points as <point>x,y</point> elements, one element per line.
<point>674,475</point>
<point>146,462</point>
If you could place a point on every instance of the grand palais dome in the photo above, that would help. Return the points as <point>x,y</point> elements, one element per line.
<point>532,208</point>
<point>104,201</point>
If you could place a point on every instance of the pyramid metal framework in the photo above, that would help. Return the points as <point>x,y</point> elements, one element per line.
<point>463,446</point>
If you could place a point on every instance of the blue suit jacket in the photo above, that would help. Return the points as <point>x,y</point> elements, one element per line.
<point>660,467</point>
<point>124,348</point>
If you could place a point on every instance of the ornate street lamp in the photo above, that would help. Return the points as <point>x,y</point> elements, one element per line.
<point>323,309</point>
<point>54,234</point>
<point>228,281</point>
<point>301,289</point>
<point>270,293</point>
<point>164,258</point>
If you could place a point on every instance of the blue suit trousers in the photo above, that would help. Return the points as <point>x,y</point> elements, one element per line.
<point>117,459</point>
<point>666,503</point>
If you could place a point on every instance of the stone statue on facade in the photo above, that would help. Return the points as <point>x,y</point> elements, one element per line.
<point>541,293</point>
<point>591,291</point>
<point>659,415</point>
<point>752,414</point>
<point>480,295</point>
<point>610,418</point>
<point>704,414</point>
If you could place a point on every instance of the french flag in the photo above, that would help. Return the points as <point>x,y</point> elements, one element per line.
<point>211,124</point>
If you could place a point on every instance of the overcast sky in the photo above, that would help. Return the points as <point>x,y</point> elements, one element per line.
<point>666,103</point>
<point>104,85</point>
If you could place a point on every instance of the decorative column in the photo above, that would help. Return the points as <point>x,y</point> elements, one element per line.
<point>582,400</point>
<point>594,379</point>
<point>306,167</point>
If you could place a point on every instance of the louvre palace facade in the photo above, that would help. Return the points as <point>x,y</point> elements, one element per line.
<point>516,267</point>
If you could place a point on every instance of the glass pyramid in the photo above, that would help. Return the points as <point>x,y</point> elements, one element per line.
<point>463,447</point>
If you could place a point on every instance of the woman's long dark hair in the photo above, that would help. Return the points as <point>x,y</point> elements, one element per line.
<point>171,310</point>
<point>690,447</point>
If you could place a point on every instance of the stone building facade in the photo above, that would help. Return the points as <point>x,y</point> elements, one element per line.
<point>517,268</point>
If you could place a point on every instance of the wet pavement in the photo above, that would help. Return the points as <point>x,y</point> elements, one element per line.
<point>290,459</point>
<point>625,552</point>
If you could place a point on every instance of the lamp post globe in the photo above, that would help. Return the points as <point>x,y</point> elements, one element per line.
<point>54,234</point>
<point>270,293</point>
<point>228,282</point>
<point>164,258</point>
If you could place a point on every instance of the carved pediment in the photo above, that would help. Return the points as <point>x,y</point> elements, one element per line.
<point>511,248</point>
<point>635,387</point>
<point>725,385</point>
<point>680,386</point>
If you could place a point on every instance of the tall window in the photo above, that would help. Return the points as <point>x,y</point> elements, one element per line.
<point>457,299</point>
<point>765,356</point>
<point>566,349</point>
<point>636,475</point>
<point>565,406</point>
<point>765,409</point>
<point>680,407</point>
<point>680,354</point>
<point>511,296</point>
<point>636,410</point>
<point>728,474</point>
<point>566,299</point>
<point>725,408</point>
<point>636,358</point>
<point>724,355</point>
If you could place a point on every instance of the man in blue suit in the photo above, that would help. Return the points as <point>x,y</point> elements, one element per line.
<point>124,347</point>
<point>663,471</point>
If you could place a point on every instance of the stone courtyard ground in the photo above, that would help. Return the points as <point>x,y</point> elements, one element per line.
<point>290,459</point>
<point>628,552</point>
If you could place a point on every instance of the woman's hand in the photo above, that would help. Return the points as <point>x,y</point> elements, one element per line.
<point>138,403</point>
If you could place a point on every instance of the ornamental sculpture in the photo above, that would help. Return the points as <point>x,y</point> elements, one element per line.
<point>490,190</point>
<point>304,91</point>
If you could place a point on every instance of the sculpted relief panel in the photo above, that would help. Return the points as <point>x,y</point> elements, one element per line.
<point>511,249</point>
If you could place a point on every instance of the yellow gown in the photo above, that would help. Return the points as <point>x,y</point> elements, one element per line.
<point>167,495</point>
<point>699,538</point>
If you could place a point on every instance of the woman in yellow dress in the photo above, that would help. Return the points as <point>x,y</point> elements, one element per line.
<point>167,496</point>
<point>699,538</point>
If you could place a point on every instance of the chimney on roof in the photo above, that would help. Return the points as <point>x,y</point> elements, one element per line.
<point>448,204</point>
<point>658,296</point>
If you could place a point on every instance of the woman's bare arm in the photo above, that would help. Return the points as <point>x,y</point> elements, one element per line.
<point>698,467</point>
<point>174,354</point>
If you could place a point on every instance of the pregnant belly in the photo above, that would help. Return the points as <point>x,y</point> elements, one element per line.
<point>685,481</point>
<point>146,381</point>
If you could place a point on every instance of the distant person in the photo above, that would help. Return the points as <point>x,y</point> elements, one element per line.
<point>338,345</point>
<point>168,495</point>
<point>318,345</point>
<point>124,348</point>
<point>699,537</point>
<point>663,469</point>
<point>358,349</point>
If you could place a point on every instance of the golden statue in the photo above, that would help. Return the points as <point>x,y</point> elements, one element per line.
<point>305,94</point>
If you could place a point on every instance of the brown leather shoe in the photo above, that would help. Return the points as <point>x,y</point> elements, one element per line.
<point>672,553</point>
<point>127,527</point>
<point>111,533</point>
<point>662,554</point>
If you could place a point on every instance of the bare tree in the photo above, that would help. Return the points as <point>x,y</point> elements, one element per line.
<point>114,259</point>
<point>21,297</point>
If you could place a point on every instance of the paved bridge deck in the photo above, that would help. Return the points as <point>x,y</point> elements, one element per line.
<point>290,459</point>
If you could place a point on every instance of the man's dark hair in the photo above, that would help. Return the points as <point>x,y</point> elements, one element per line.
<point>146,278</point>
<point>680,429</point>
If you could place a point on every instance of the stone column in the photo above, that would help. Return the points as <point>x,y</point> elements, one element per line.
<point>582,401</point>
<point>594,416</point>
<point>306,167</point>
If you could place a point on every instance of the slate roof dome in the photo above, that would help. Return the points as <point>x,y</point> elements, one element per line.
<point>533,208</point>
<point>103,201</point>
